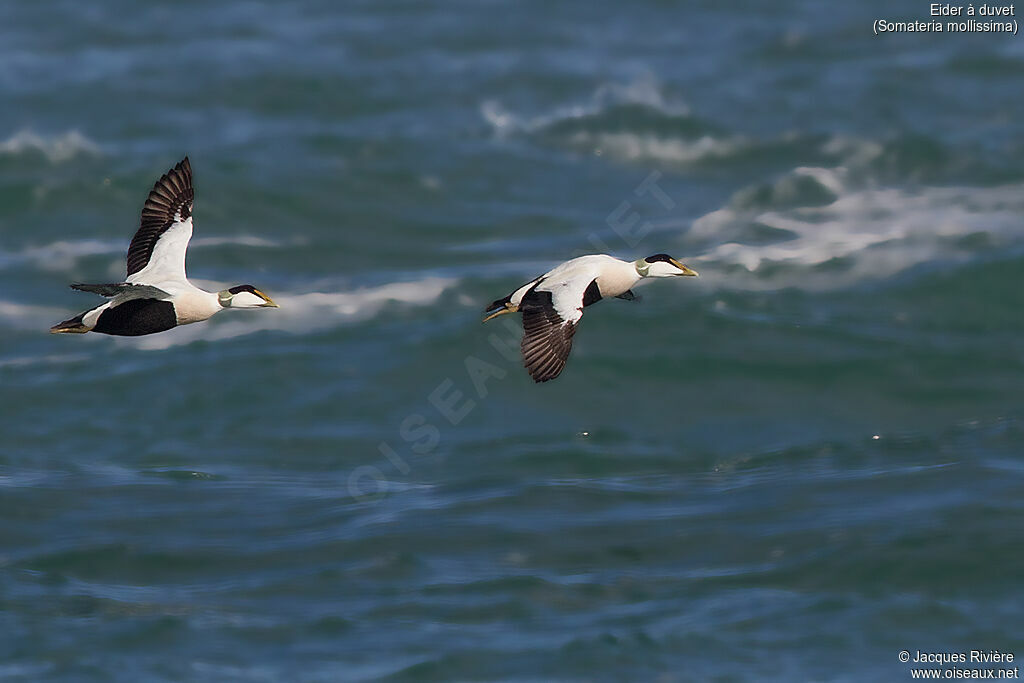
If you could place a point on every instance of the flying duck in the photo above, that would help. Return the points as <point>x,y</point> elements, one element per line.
<point>157,295</point>
<point>553,304</point>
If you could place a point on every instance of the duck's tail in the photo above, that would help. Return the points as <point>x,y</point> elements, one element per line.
<point>500,307</point>
<point>73,326</point>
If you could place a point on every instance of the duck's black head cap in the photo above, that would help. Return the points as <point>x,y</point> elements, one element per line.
<point>659,257</point>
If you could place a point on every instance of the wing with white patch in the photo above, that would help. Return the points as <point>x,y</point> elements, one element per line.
<point>157,252</point>
<point>551,311</point>
<point>568,286</point>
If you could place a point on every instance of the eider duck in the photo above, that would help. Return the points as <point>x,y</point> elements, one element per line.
<point>157,296</point>
<point>553,304</point>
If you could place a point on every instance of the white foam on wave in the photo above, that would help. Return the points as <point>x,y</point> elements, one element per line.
<point>27,317</point>
<point>63,255</point>
<point>864,234</point>
<point>56,148</point>
<point>665,147</point>
<point>301,312</point>
<point>648,147</point>
<point>683,150</point>
<point>644,90</point>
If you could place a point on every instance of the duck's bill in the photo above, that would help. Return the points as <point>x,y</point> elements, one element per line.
<point>268,302</point>
<point>686,269</point>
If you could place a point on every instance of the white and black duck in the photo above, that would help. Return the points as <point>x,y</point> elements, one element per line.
<point>552,305</point>
<point>156,295</point>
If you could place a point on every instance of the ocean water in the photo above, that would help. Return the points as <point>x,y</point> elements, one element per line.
<point>790,469</point>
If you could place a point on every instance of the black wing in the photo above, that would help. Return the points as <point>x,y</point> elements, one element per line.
<point>119,288</point>
<point>547,338</point>
<point>169,201</point>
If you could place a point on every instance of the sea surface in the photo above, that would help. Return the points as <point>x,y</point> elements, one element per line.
<point>789,469</point>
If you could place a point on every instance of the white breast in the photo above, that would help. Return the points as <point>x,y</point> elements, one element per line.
<point>616,277</point>
<point>195,306</point>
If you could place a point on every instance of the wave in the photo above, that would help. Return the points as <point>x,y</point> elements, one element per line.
<point>302,312</point>
<point>638,123</point>
<point>815,228</point>
<point>642,92</point>
<point>60,255</point>
<point>689,141</point>
<point>26,317</point>
<point>627,131</point>
<point>649,147</point>
<point>64,255</point>
<point>632,122</point>
<point>56,148</point>
<point>47,360</point>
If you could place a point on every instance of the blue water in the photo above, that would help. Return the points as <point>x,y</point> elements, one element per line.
<point>789,469</point>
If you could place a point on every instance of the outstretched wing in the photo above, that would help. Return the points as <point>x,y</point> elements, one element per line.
<point>551,311</point>
<point>157,252</point>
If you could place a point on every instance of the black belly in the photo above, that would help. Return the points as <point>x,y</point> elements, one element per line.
<point>137,317</point>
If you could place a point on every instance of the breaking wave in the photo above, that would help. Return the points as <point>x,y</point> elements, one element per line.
<point>638,123</point>
<point>56,148</point>
<point>28,317</point>
<point>815,229</point>
<point>641,93</point>
<point>64,255</point>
